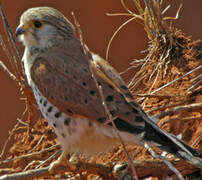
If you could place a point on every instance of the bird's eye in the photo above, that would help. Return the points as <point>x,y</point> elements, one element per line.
<point>37,24</point>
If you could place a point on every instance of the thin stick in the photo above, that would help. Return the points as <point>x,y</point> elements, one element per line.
<point>11,75</point>
<point>170,83</point>
<point>30,155</point>
<point>89,57</point>
<point>171,167</point>
<point>190,107</point>
<point>105,172</point>
<point>115,33</point>
<point>13,46</point>
<point>43,172</point>
<point>8,30</point>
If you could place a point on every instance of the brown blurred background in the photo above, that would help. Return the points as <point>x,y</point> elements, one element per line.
<point>97,29</point>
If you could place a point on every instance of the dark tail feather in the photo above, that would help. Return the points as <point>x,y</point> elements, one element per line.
<point>170,143</point>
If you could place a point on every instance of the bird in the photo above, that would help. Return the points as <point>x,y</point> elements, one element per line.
<point>83,98</point>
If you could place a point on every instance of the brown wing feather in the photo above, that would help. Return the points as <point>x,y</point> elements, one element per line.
<point>62,74</point>
<point>113,77</point>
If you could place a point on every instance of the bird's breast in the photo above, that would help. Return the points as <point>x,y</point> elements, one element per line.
<point>76,135</point>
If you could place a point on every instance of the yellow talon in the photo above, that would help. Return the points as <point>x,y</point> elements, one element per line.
<point>61,161</point>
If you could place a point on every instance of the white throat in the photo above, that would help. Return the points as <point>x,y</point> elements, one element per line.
<point>28,62</point>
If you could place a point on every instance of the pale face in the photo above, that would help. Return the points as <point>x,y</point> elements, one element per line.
<point>36,33</point>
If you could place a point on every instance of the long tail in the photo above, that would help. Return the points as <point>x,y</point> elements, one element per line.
<point>170,143</point>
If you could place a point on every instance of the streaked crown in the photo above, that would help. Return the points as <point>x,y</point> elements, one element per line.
<point>50,16</point>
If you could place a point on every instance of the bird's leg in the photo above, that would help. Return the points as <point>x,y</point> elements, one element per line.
<point>61,161</point>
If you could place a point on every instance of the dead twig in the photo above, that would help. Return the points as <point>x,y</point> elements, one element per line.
<point>105,172</point>
<point>182,119</point>
<point>101,170</point>
<point>180,109</point>
<point>11,75</point>
<point>30,154</point>
<point>99,87</point>
<point>169,164</point>
<point>154,96</point>
<point>172,82</point>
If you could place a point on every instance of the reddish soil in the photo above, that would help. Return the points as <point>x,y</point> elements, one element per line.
<point>35,135</point>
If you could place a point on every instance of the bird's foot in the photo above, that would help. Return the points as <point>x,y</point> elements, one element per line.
<point>61,161</point>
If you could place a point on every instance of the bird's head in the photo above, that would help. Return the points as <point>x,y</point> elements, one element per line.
<point>43,27</point>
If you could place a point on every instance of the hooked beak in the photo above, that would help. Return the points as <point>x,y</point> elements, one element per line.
<point>19,31</point>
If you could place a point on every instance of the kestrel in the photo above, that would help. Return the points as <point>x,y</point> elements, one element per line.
<point>58,71</point>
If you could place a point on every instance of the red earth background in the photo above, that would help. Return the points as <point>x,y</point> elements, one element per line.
<point>97,30</point>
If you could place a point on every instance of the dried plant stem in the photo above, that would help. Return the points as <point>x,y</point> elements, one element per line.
<point>13,47</point>
<point>171,167</point>
<point>101,170</point>
<point>179,109</point>
<point>11,75</point>
<point>89,57</point>
<point>30,154</point>
<point>105,172</point>
<point>172,82</point>
<point>113,36</point>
